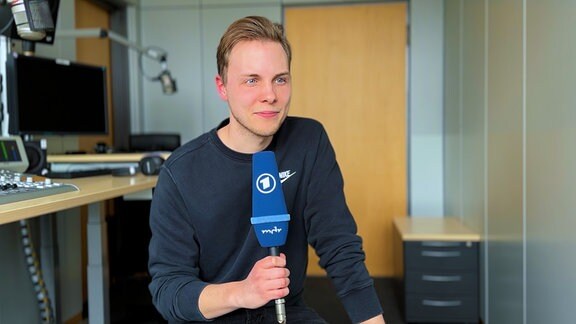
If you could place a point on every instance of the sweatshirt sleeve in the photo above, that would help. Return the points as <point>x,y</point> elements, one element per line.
<point>173,255</point>
<point>333,235</point>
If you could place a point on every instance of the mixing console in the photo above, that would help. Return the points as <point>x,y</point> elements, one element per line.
<point>16,186</point>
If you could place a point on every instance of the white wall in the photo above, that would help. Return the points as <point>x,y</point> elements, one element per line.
<point>426,108</point>
<point>510,68</point>
<point>550,160</point>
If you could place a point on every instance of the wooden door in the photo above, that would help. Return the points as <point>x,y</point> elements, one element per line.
<point>349,72</point>
<point>95,51</point>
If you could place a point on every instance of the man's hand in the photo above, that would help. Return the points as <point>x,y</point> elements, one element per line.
<point>268,280</point>
<point>375,320</point>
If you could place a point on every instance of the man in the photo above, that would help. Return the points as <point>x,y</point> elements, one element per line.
<point>205,260</point>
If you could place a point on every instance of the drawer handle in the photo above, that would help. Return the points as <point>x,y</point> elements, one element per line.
<point>441,254</point>
<point>441,303</point>
<point>440,244</point>
<point>441,278</point>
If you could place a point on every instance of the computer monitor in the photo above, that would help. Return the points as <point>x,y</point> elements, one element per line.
<point>13,154</point>
<point>55,97</point>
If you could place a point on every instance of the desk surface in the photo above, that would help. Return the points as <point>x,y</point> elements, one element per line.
<point>102,158</point>
<point>92,189</point>
<point>434,229</point>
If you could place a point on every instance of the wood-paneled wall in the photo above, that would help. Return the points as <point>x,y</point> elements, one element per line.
<point>349,72</point>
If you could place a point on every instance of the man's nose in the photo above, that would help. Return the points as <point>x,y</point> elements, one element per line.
<point>269,94</point>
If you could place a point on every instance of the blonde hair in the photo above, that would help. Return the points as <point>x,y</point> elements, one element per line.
<point>248,29</point>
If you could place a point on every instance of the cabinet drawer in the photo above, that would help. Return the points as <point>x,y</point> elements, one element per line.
<point>441,281</point>
<point>441,255</point>
<point>441,309</point>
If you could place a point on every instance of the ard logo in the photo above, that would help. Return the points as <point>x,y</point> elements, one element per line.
<point>265,183</point>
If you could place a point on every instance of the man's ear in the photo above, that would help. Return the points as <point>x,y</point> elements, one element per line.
<point>221,87</point>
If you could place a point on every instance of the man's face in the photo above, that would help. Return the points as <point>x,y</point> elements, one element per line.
<point>257,88</point>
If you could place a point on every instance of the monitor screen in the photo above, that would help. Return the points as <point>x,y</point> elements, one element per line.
<point>55,97</point>
<point>13,154</point>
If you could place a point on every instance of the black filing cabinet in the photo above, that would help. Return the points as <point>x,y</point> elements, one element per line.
<point>441,281</point>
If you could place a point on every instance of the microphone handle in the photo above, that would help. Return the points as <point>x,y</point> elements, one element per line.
<point>278,303</point>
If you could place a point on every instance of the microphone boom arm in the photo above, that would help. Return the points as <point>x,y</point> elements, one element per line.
<point>155,53</point>
<point>159,56</point>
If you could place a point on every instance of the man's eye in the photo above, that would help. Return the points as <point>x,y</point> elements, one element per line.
<point>281,80</point>
<point>251,81</point>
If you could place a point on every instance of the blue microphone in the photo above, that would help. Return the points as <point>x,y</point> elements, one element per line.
<point>269,214</point>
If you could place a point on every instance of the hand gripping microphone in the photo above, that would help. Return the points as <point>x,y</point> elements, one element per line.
<point>269,215</point>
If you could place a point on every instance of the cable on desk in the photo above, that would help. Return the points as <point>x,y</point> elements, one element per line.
<point>36,274</point>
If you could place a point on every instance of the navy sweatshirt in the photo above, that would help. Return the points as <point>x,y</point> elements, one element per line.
<point>201,231</point>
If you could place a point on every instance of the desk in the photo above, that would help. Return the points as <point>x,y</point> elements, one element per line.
<point>433,229</point>
<point>440,269</point>
<point>93,191</point>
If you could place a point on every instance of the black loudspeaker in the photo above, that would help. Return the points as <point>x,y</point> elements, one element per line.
<point>36,153</point>
<point>150,165</point>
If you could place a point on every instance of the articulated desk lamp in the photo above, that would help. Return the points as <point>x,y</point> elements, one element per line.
<point>155,53</point>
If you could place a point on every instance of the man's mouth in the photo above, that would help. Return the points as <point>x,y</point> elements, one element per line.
<point>267,114</point>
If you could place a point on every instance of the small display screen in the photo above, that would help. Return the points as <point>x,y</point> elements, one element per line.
<point>9,151</point>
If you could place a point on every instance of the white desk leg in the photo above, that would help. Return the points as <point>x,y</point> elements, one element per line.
<point>98,275</point>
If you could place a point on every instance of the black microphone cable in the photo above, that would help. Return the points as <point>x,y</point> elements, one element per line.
<point>35,273</point>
